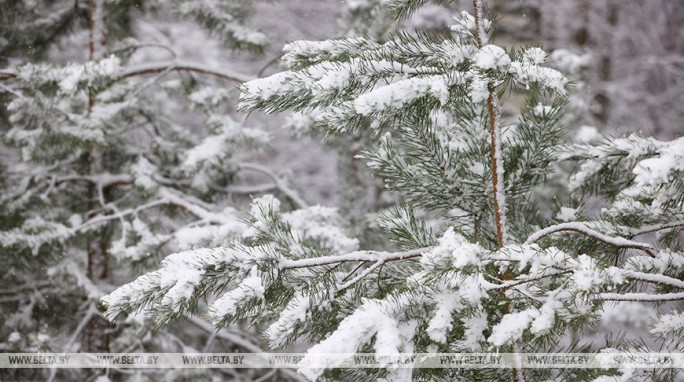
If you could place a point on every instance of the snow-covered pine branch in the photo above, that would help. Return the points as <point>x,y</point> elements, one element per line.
<point>459,281</point>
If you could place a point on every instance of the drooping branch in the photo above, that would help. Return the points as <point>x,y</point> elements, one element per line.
<point>154,68</point>
<point>618,242</point>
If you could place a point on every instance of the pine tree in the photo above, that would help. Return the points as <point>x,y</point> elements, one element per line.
<point>483,262</point>
<point>111,162</point>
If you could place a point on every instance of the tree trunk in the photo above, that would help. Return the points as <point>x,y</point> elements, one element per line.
<point>96,336</point>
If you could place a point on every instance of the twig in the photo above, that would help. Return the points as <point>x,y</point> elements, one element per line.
<point>363,274</point>
<point>353,271</point>
<point>646,297</point>
<point>619,242</point>
<point>279,182</point>
<point>273,61</point>
<point>181,66</point>
<point>353,256</point>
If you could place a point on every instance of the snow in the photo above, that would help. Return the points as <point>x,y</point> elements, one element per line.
<point>587,170</point>
<point>491,57</point>
<point>567,214</point>
<point>209,235</point>
<point>300,123</point>
<point>455,251</point>
<point>479,89</point>
<point>511,327</point>
<point>374,256</point>
<point>71,77</point>
<point>296,311</point>
<point>465,24</point>
<point>655,278</point>
<point>659,170</point>
<point>472,289</point>
<point>388,337</point>
<point>250,288</point>
<point>34,233</point>
<point>298,52</point>
<point>209,148</point>
<point>180,280</point>
<point>208,96</point>
<point>534,56</point>
<point>543,323</point>
<point>587,134</point>
<point>669,324</point>
<point>263,204</point>
<point>277,85</point>
<point>542,110</point>
<point>143,172</point>
<point>569,62</point>
<point>174,283</point>
<point>441,321</point>
<point>526,74</point>
<point>587,276</point>
<point>398,94</point>
<point>70,269</point>
<point>646,297</point>
<point>473,333</point>
<point>324,225</point>
<point>355,330</point>
<point>663,261</point>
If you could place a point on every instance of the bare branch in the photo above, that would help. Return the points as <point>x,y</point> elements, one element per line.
<point>181,66</point>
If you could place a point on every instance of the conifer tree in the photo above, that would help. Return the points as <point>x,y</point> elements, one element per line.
<point>492,269</point>
<point>110,162</point>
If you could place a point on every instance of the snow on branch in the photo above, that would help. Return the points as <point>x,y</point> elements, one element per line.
<point>644,297</point>
<point>619,242</point>
<point>655,278</point>
<point>171,288</point>
<point>375,256</point>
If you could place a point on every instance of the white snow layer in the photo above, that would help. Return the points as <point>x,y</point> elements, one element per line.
<point>250,288</point>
